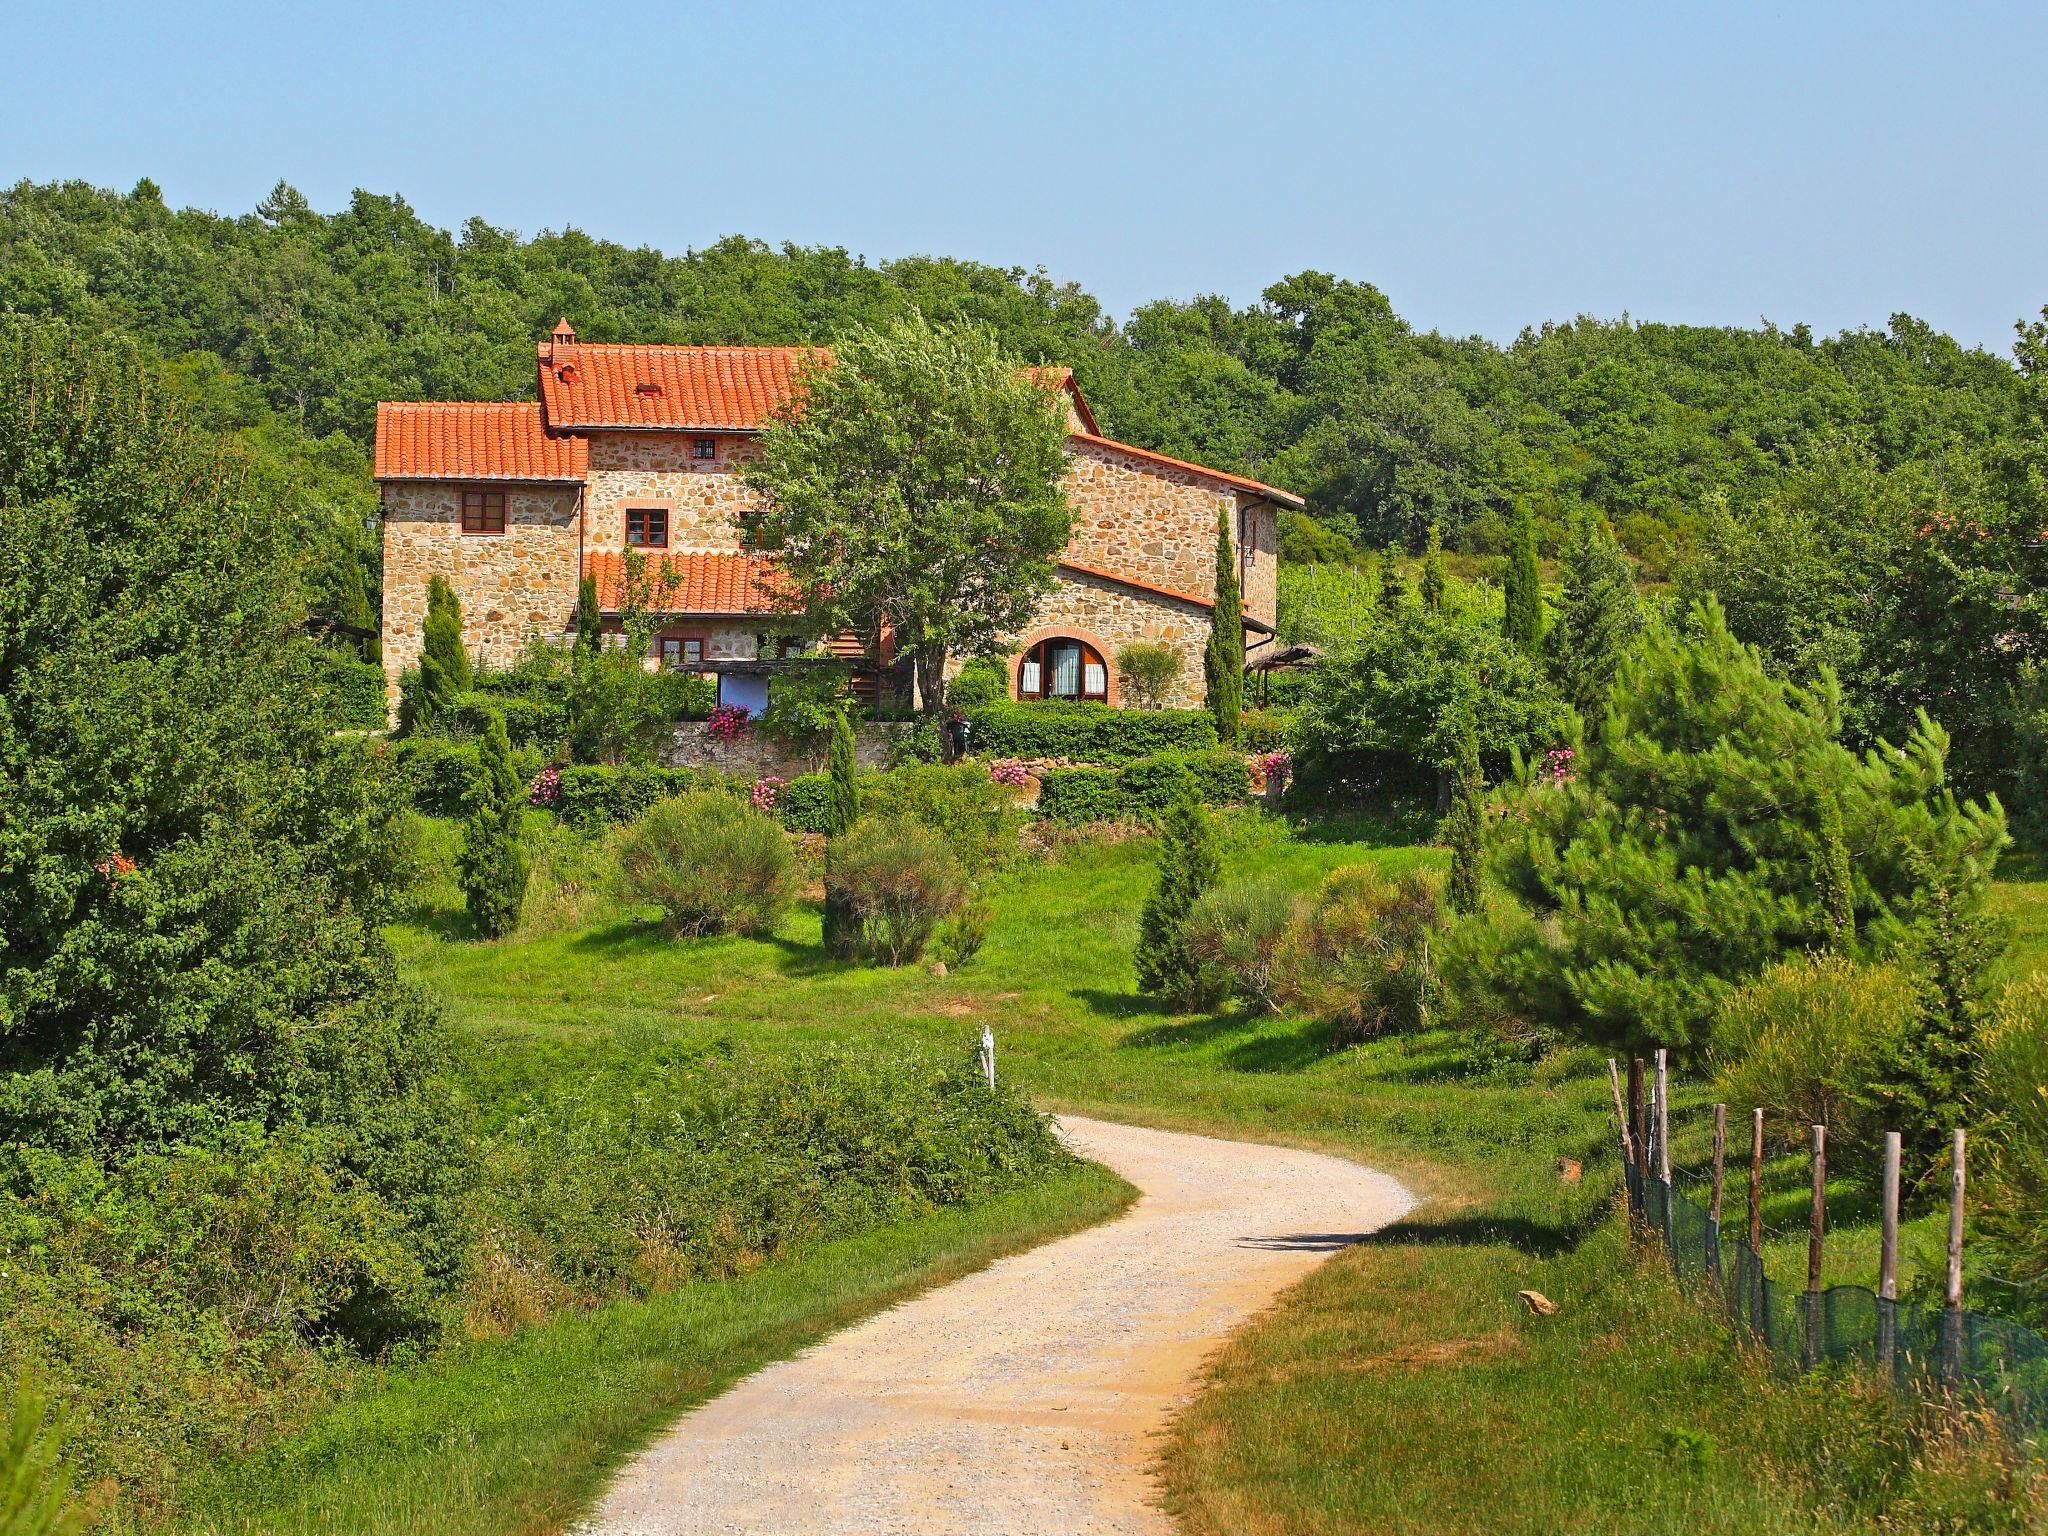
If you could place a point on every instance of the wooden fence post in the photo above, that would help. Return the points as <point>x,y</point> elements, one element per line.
<point>1759,1314</point>
<point>1635,1110</point>
<point>1628,1143</point>
<point>1952,1312</point>
<point>1714,1210</point>
<point>1817,1224</point>
<point>1888,1259</point>
<point>1663,1121</point>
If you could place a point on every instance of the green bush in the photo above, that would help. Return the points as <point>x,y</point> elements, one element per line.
<point>494,866</point>
<point>804,705</point>
<point>1243,930</point>
<point>33,1481</point>
<point>2010,1197</point>
<point>1085,733</point>
<point>984,680</point>
<point>1805,1040</point>
<point>960,940</point>
<point>352,691</point>
<point>1360,956</point>
<point>712,863</point>
<point>807,804</point>
<point>1266,730</point>
<point>1077,796</point>
<point>1189,863</point>
<point>900,880</point>
<point>959,801</point>
<point>1149,671</point>
<point>599,795</point>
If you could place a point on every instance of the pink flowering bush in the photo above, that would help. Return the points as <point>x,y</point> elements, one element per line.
<point>768,793</point>
<point>1010,771</point>
<point>1275,765</point>
<point>546,789</point>
<point>1557,765</point>
<point>728,722</point>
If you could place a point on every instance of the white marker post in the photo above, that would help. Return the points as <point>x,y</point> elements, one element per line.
<point>988,1056</point>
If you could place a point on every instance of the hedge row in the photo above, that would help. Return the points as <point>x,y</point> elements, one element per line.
<point>1093,733</point>
<point>1143,788</point>
<point>351,690</point>
<point>439,775</point>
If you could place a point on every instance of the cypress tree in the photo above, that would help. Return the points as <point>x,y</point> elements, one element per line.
<point>1224,659</point>
<point>357,609</point>
<point>842,927</point>
<point>444,664</point>
<point>1394,592</point>
<point>1523,623</point>
<point>1465,826</point>
<point>1435,583</point>
<point>1188,866</point>
<point>589,619</point>
<point>1599,618</point>
<point>493,862</point>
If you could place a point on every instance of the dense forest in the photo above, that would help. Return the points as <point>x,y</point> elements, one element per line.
<point>1870,502</point>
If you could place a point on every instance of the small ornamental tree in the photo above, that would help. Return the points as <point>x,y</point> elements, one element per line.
<point>1522,623</point>
<point>1701,840</point>
<point>1148,670</point>
<point>494,864</point>
<point>917,477</point>
<point>1465,826</point>
<point>842,931</point>
<point>444,664</point>
<point>1599,618</point>
<point>1393,595</point>
<point>1189,864</point>
<point>589,619</point>
<point>1436,584</point>
<point>357,609</point>
<point>1223,662</point>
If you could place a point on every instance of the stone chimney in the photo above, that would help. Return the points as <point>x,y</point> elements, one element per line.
<point>564,335</point>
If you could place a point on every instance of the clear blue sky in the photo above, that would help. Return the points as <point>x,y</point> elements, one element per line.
<point>1487,165</point>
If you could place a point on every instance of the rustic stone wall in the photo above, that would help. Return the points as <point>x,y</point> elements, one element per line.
<point>705,497</point>
<point>512,585</point>
<point>1156,523</point>
<point>1109,617</point>
<point>755,755</point>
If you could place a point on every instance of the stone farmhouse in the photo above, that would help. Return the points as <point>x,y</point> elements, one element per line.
<point>638,447</point>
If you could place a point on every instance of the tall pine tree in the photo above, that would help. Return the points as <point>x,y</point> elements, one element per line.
<point>1224,660</point>
<point>493,863</point>
<point>1523,582</point>
<point>444,664</point>
<point>842,924</point>
<point>1465,826</point>
<point>1188,866</point>
<point>1599,618</point>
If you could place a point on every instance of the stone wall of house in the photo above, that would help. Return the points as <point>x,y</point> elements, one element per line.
<point>1110,616</point>
<point>512,585</point>
<point>705,497</point>
<point>755,755</point>
<point>1156,523</point>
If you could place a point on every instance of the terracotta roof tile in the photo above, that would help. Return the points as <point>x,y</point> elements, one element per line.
<point>729,389</point>
<point>455,441</point>
<point>699,581</point>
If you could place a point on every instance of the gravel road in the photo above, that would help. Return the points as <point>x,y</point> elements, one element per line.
<point>1024,1399</point>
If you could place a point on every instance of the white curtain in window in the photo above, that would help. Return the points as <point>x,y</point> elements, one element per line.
<point>1027,681</point>
<point>1066,671</point>
<point>1094,682</point>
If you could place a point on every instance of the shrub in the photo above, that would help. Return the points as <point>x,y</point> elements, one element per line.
<point>592,795</point>
<point>1167,964</point>
<point>1086,733</point>
<point>899,879</point>
<point>2011,1193</point>
<point>1266,730</point>
<point>710,862</point>
<point>1079,795</point>
<point>803,706</point>
<point>1805,1038</point>
<point>493,864</point>
<point>437,775</point>
<point>444,664</point>
<point>957,800</point>
<point>984,680</point>
<point>960,940</point>
<point>1149,671</point>
<point>33,1481</point>
<point>1243,929</point>
<point>1360,958</point>
<point>352,691</point>
<point>806,803</point>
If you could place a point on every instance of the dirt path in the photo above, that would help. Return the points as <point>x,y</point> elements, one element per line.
<point>1021,1400</point>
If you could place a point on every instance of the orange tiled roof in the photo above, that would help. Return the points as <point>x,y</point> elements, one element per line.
<point>1270,492</point>
<point>728,389</point>
<point>698,581</point>
<point>459,441</point>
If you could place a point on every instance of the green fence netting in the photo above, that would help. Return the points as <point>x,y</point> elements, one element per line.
<point>1992,1359</point>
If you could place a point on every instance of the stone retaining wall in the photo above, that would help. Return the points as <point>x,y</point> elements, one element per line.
<point>756,755</point>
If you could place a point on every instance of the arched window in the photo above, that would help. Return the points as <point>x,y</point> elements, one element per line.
<point>1063,669</point>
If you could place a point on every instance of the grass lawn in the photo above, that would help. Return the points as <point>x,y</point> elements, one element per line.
<point>519,1435</point>
<point>1402,1389</point>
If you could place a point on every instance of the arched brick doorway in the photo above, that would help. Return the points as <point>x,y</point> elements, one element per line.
<point>1071,650</point>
